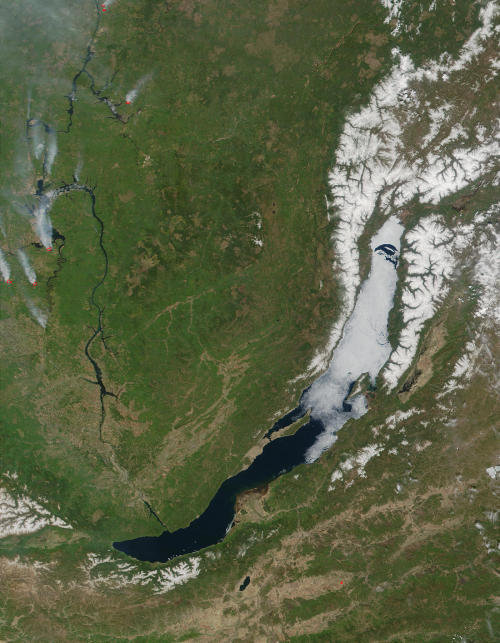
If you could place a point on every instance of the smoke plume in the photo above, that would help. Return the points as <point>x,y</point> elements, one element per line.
<point>51,150</point>
<point>27,267</point>
<point>133,93</point>
<point>38,314</point>
<point>43,224</point>
<point>4,267</point>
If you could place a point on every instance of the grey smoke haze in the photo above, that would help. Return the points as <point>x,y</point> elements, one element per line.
<point>42,43</point>
<point>43,224</point>
<point>133,93</point>
<point>4,266</point>
<point>36,33</point>
<point>78,169</point>
<point>38,141</point>
<point>26,266</point>
<point>51,151</point>
<point>35,36</point>
<point>40,316</point>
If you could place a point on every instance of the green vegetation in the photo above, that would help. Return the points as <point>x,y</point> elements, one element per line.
<point>229,141</point>
<point>227,145</point>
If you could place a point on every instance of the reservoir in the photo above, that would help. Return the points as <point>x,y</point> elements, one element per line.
<point>332,400</point>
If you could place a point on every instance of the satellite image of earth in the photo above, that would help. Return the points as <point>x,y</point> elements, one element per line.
<point>250,321</point>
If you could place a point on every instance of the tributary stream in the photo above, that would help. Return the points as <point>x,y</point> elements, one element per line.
<point>363,349</point>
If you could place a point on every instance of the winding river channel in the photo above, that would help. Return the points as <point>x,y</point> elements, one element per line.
<point>49,235</point>
<point>333,399</point>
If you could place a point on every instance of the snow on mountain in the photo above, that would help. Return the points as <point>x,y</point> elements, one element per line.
<point>410,145</point>
<point>116,574</point>
<point>22,515</point>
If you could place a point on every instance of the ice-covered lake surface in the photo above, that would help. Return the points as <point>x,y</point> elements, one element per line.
<point>362,349</point>
<point>364,346</point>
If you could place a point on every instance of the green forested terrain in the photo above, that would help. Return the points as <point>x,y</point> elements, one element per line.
<point>207,268</point>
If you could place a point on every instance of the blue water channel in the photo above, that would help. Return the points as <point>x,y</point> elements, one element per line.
<point>363,349</point>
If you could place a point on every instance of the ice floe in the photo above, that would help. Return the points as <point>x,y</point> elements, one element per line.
<point>377,169</point>
<point>364,347</point>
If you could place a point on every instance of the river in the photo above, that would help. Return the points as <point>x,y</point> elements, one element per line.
<point>362,351</point>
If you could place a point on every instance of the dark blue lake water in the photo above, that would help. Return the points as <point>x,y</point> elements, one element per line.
<point>362,350</point>
<point>278,457</point>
